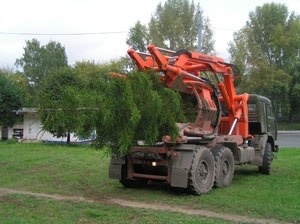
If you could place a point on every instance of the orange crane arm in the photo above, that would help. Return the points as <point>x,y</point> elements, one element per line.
<point>183,71</point>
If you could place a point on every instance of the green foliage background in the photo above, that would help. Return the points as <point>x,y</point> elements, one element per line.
<point>267,50</point>
<point>11,98</point>
<point>59,101</point>
<point>174,25</point>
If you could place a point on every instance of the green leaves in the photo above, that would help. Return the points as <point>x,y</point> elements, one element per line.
<point>10,99</point>
<point>136,108</point>
<point>38,62</point>
<point>59,101</point>
<point>267,51</point>
<point>121,110</point>
<point>174,25</point>
<point>176,22</point>
<point>138,37</point>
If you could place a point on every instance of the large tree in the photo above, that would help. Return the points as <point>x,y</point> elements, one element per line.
<point>59,102</point>
<point>10,100</point>
<point>174,26</point>
<point>38,61</point>
<point>267,51</point>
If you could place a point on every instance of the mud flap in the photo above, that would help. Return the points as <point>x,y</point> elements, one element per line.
<point>181,165</point>
<point>115,168</point>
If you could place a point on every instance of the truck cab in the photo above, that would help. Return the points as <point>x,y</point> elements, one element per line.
<point>261,119</point>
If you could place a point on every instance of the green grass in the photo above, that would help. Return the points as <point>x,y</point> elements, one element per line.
<point>82,171</point>
<point>284,126</point>
<point>27,209</point>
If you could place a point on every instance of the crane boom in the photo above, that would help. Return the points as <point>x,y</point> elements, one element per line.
<point>183,71</point>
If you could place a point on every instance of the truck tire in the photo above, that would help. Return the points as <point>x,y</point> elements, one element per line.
<point>202,171</point>
<point>267,160</point>
<point>133,183</point>
<point>224,166</point>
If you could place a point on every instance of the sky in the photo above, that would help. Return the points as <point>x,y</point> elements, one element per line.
<point>110,19</point>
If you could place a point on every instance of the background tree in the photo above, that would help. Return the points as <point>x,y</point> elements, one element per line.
<point>138,37</point>
<point>10,100</point>
<point>18,79</point>
<point>267,49</point>
<point>208,43</point>
<point>38,62</point>
<point>59,102</point>
<point>173,26</point>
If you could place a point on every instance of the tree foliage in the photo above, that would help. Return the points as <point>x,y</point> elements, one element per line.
<point>208,43</point>
<point>38,61</point>
<point>121,110</point>
<point>138,37</point>
<point>136,108</point>
<point>174,26</point>
<point>10,100</point>
<point>59,100</point>
<point>267,51</point>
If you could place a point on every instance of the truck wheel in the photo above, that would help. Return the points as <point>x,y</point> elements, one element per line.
<point>202,171</point>
<point>133,183</point>
<point>224,166</point>
<point>267,160</point>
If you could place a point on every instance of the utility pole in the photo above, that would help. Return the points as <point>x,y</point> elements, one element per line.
<point>199,31</point>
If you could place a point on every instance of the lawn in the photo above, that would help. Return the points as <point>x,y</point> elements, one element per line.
<point>79,170</point>
<point>283,126</point>
<point>28,209</point>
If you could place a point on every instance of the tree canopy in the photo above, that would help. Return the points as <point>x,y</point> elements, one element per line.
<point>38,61</point>
<point>138,37</point>
<point>174,26</point>
<point>267,51</point>
<point>136,108</point>
<point>10,99</point>
<point>59,102</point>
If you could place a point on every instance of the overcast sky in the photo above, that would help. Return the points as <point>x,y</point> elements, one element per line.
<point>109,16</point>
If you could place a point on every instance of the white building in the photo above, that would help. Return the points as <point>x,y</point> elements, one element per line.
<point>30,128</point>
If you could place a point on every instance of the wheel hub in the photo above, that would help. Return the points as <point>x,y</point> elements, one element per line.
<point>225,168</point>
<point>202,171</point>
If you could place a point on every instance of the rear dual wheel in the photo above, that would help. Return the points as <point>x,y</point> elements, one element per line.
<point>224,166</point>
<point>201,173</point>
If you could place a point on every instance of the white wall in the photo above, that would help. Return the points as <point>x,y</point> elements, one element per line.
<point>33,130</point>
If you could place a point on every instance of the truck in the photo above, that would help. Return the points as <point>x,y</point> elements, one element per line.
<point>229,129</point>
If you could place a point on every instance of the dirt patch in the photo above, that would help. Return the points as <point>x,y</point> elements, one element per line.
<point>6,199</point>
<point>5,164</point>
<point>154,206</point>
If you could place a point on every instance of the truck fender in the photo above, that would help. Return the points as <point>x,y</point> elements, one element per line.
<point>181,165</point>
<point>260,142</point>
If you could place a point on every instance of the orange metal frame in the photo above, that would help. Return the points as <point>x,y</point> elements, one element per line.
<point>183,71</point>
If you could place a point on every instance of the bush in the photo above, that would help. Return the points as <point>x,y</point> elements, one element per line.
<point>136,108</point>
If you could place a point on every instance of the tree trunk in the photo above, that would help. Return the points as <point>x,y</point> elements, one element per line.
<point>69,138</point>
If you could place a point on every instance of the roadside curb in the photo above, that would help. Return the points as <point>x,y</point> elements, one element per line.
<point>289,132</point>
